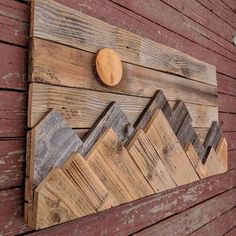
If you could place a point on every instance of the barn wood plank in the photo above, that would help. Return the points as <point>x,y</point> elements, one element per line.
<point>149,162</point>
<point>172,202</point>
<point>229,100</point>
<point>226,84</point>
<point>115,168</point>
<point>146,55</point>
<point>13,63</point>
<point>231,138</point>
<point>112,117</point>
<point>232,159</point>
<point>208,210</point>
<point>221,10</point>
<point>219,226</point>
<point>120,17</point>
<point>57,200</point>
<point>91,188</point>
<point>58,64</point>
<point>12,159</point>
<point>13,114</point>
<point>232,232</point>
<point>169,149</point>
<point>80,107</point>
<point>200,14</point>
<point>213,164</point>
<point>231,4</point>
<point>222,152</point>
<point>160,13</point>
<point>227,121</point>
<point>194,159</point>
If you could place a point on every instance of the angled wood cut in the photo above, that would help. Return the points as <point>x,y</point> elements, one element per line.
<point>169,149</point>
<point>115,168</point>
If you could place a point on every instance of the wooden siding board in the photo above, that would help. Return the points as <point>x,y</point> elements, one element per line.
<point>15,69</point>
<point>120,17</point>
<point>187,222</point>
<point>12,163</point>
<point>134,216</point>
<point>218,226</point>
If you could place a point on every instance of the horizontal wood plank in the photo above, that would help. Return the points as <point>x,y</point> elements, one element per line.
<point>227,121</point>
<point>160,13</point>
<point>12,163</point>
<point>12,114</point>
<point>187,222</point>
<point>62,65</point>
<point>219,226</point>
<point>227,103</point>
<point>13,63</point>
<point>126,218</point>
<point>120,17</point>
<point>82,107</point>
<point>141,51</point>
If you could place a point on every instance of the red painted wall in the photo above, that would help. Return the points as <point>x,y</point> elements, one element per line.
<point>200,28</point>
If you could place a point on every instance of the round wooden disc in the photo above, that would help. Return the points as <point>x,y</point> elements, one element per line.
<point>109,67</point>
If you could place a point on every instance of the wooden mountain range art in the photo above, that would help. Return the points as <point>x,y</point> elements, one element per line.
<point>115,162</point>
<point>92,147</point>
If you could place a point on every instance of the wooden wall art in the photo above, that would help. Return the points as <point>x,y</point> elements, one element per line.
<point>92,147</point>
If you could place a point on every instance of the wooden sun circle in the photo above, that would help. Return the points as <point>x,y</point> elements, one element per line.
<point>108,67</point>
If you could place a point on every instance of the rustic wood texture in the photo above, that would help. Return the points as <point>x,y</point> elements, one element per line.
<point>81,107</point>
<point>11,200</point>
<point>58,64</point>
<point>222,152</point>
<point>176,225</point>
<point>115,168</point>
<point>155,208</point>
<point>108,66</point>
<point>82,176</point>
<point>112,117</point>
<point>169,149</point>
<point>149,163</point>
<point>57,200</point>
<point>149,55</point>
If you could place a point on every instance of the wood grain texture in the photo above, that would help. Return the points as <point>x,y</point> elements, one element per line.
<point>169,149</point>
<point>222,152</point>
<point>12,163</point>
<point>62,65</point>
<point>115,168</point>
<point>219,226</point>
<point>194,159</point>
<point>213,165</point>
<point>12,114</point>
<point>143,52</point>
<point>13,63</point>
<point>108,67</point>
<point>80,107</point>
<point>160,12</point>
<point>53,141</point>
<point>112,117</point>
<point>155,208</point>
<point>91,188</point>
<point>149,163</point>
<point>189,221</point>
<point>57,200</point>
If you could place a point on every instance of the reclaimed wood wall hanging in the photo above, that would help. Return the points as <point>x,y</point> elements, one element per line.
<point>154,129</point>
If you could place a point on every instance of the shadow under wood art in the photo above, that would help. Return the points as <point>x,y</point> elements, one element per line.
<point>155,130</point>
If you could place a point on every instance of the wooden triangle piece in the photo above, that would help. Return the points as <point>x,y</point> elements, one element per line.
<point>169,149</point>
<point>113,117</point>
<point>57,200</point>
<point>222,152</point>
<point>194,159</point>
<point>213,165</point>
<point>149,162</point>
<point>115,168</point>
<point>82,176</point>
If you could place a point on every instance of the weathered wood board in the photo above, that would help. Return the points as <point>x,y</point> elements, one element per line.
<point>169,149</point>
<point>57,200</point>
<point>115,168</point>
<point>64,57</point>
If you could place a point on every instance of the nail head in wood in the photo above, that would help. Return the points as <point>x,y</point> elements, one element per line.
<point>108,67</point>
